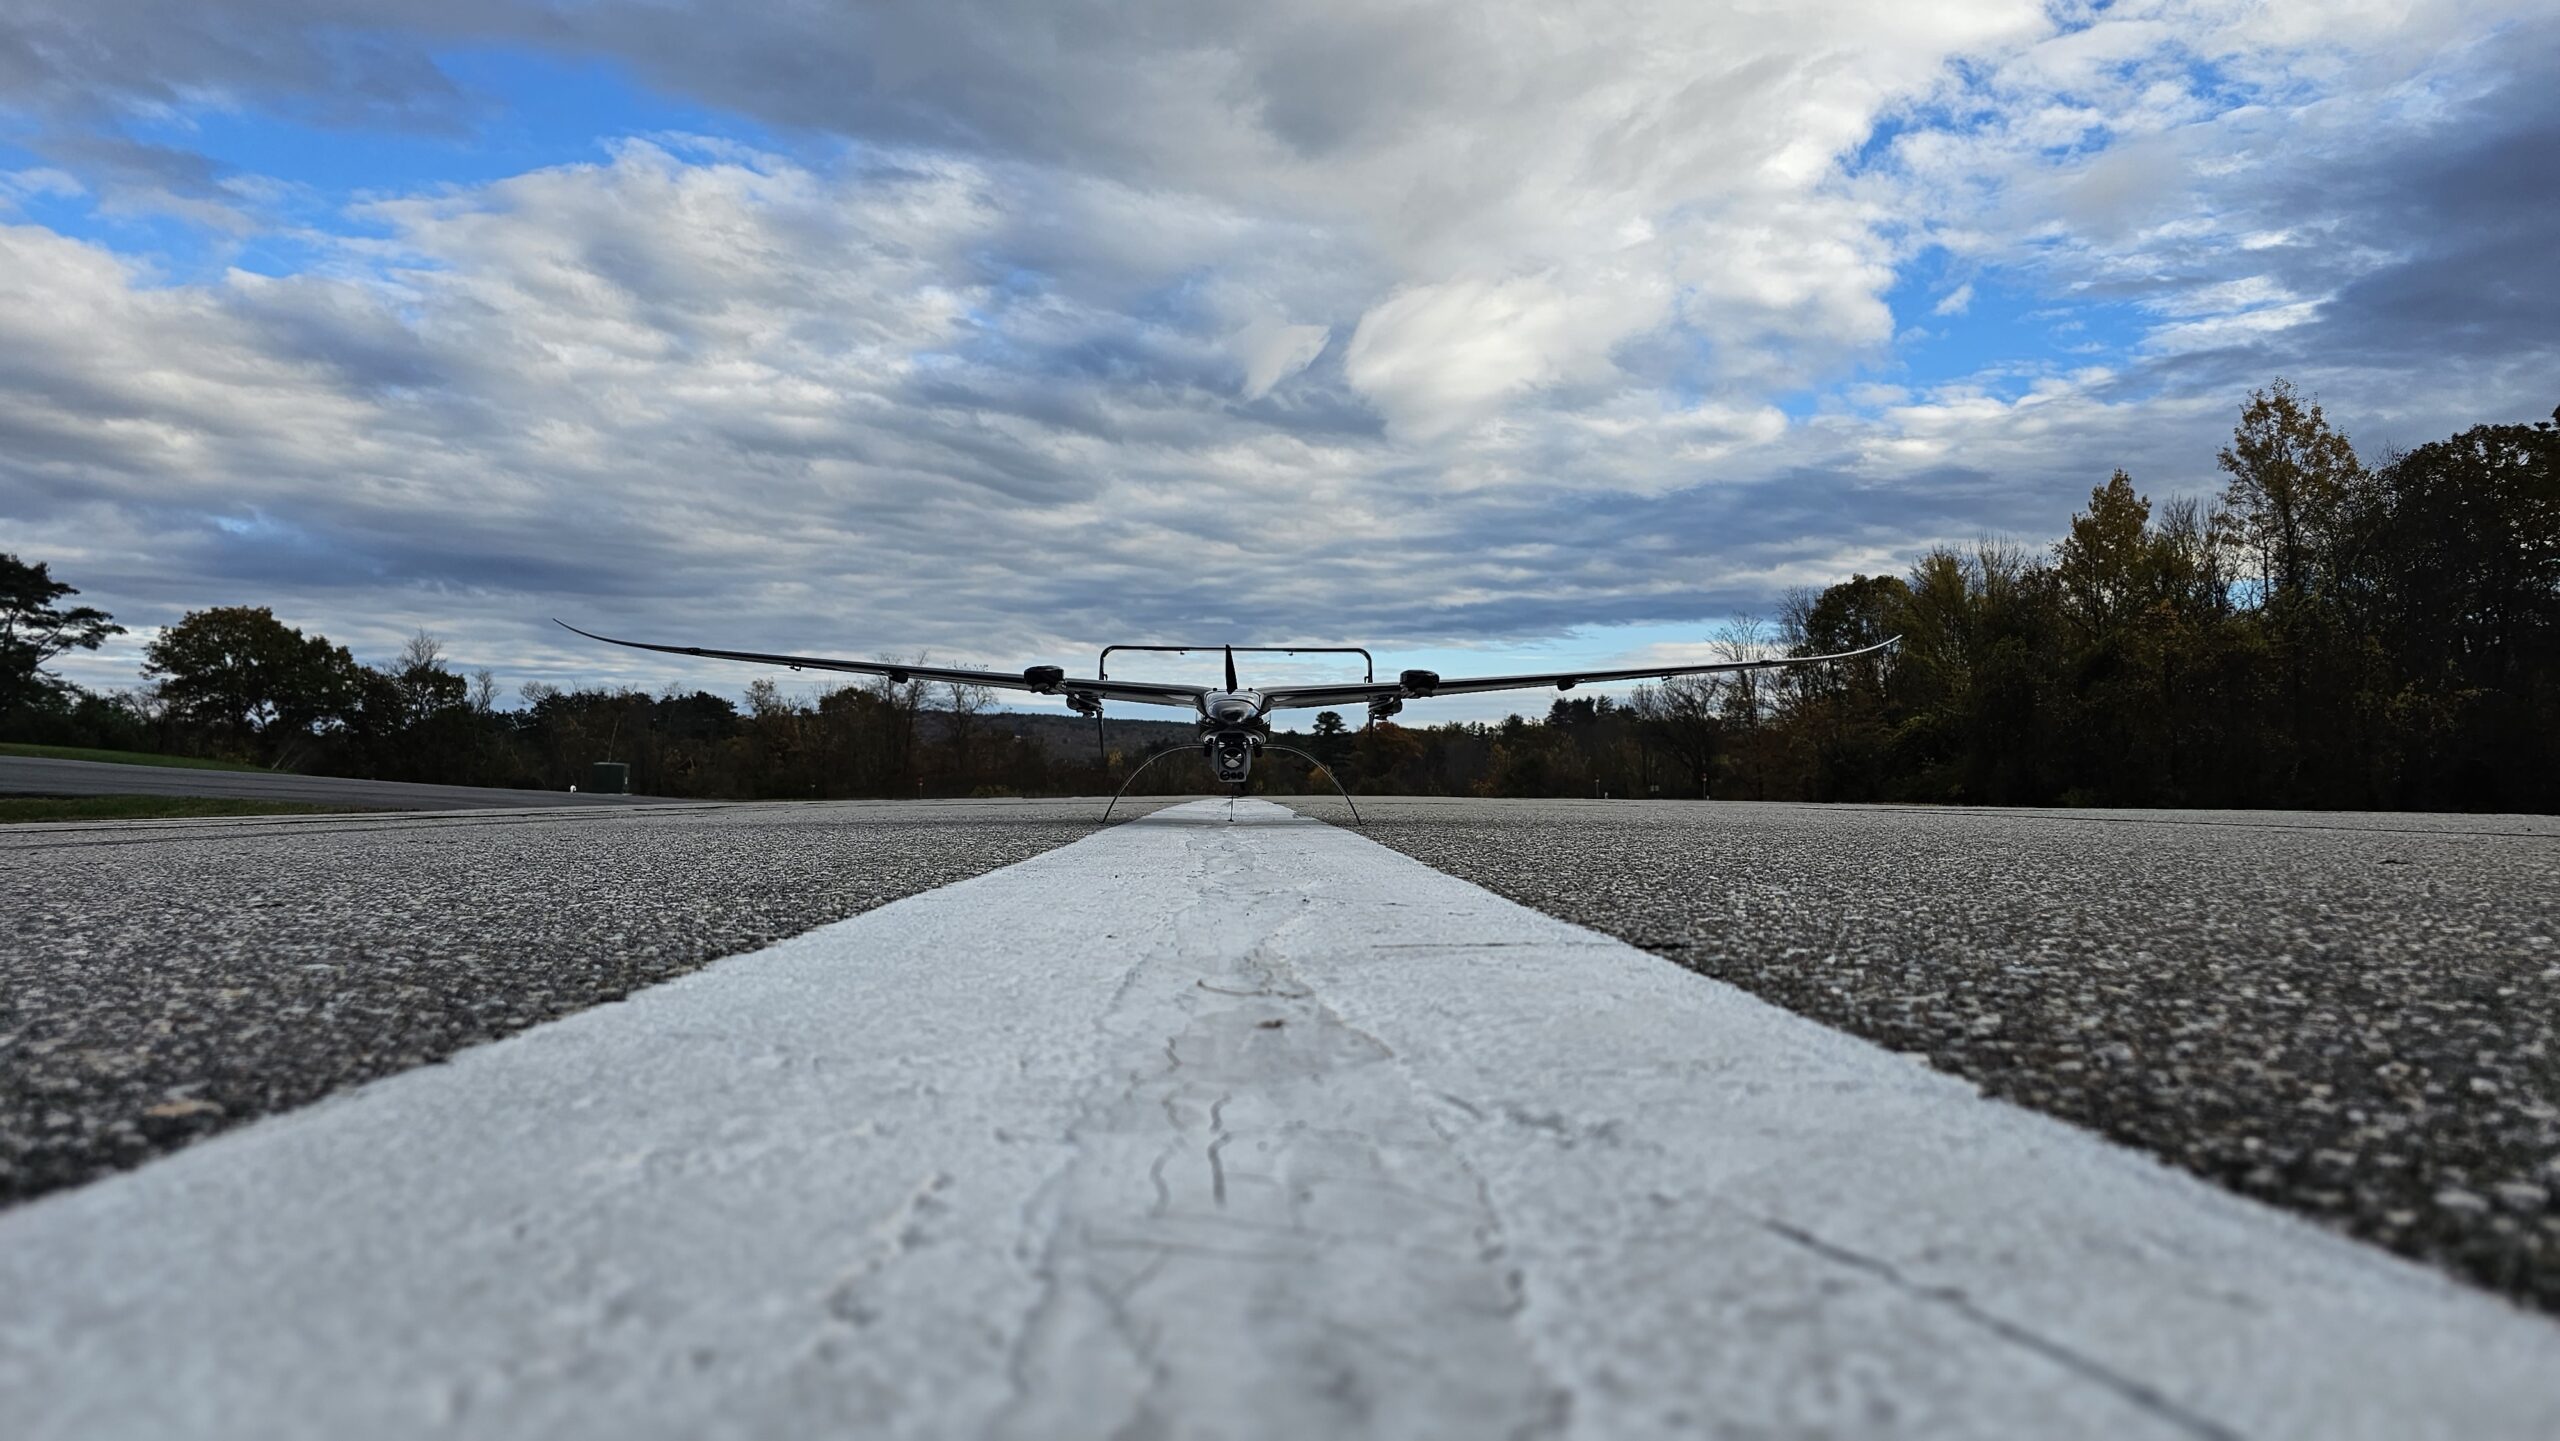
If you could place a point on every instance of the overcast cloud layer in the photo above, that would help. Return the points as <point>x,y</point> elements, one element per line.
<point>1007,329</point>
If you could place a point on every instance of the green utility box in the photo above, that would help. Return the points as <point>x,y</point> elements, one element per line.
<point>609,778</point>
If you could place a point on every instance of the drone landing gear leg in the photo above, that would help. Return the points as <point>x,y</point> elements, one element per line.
<point>1141,770</point>
<point>1326,771</point>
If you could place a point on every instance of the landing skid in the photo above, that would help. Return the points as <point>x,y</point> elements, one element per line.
<point>1326,771</point>
<point>1142,770</point>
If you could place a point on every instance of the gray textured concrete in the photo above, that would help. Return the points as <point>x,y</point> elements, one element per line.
<point>1197,1129</point>
<point>45,776</point>
<point>162,980</point>
<point>2353,1016</point>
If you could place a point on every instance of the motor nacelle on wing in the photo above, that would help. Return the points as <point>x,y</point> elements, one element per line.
<point>1044,678</point>
<point>1419,682</point>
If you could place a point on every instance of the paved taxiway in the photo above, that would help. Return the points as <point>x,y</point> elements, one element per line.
<point>2354,1016</point>
<point>47,776</point>
<point>1223,1123</point>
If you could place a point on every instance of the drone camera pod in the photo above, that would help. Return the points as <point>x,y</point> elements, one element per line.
<point>1381,709</point>
<point>1231,755</point>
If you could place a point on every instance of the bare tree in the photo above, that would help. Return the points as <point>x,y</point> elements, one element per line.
<point>1795,617</point>
<point>900,701</point>
<point>1684,717</point>
<point>423,652</point>
<point>2190,554</point>
<point>766,702</point>
<point>1744,638</point>
<point>969,705</point>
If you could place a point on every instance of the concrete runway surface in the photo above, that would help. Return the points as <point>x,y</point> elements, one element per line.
<point>1197,1127</point>
<point>46,776</point>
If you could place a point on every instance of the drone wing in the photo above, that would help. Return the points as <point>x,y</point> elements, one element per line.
<point>1043,680</point>
<point>1420,684</point>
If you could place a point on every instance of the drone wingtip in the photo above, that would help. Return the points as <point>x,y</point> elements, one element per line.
<point>591,635</point>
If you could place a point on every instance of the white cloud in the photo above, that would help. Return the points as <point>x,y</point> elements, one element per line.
<point>17,185</point>
<point>1272,350</point>
<point>1446,322</point>
<point>1436,358</point>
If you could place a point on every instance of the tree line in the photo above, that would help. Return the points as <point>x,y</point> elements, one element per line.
<point>2323,634</point>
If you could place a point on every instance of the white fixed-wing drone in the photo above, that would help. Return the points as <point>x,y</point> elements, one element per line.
<point>1232,725</point>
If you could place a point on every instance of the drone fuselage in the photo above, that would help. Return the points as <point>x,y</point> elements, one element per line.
<point>1232,732</point>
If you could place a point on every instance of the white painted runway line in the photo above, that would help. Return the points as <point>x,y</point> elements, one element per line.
<point>1211,1129</point>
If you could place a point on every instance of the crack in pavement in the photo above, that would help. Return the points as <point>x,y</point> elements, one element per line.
<point>1296,1199</point>
<point>2141,1394</point>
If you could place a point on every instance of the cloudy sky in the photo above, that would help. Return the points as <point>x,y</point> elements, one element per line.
<point>1482,333</point>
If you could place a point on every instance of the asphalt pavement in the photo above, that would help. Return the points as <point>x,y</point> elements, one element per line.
<point>47,776</point>
<point>165,980</point>
<point>2349,1016</point>
<point>1222,1124</point>
<point>2354,1016</point>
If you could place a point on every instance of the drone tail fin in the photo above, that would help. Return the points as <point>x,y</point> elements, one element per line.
<point>1231,668</point>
